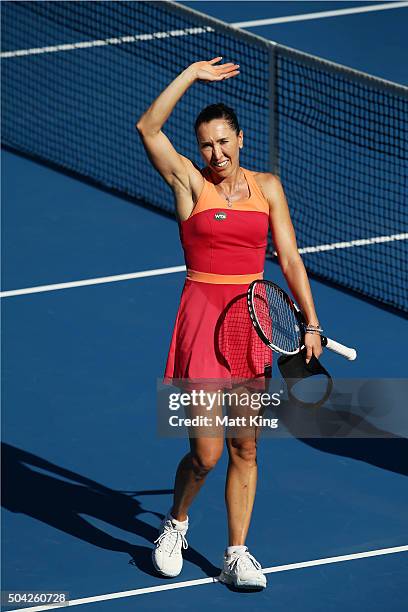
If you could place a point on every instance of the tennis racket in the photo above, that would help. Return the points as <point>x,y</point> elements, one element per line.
<point>279,322</point>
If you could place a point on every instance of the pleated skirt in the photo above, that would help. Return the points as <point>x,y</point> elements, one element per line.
<point>213,338</point>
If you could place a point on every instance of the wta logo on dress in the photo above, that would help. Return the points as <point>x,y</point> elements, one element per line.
<point>220,216</point>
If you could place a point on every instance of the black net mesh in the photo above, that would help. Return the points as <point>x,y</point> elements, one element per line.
<point>343,160</point>
<point>77,76</point>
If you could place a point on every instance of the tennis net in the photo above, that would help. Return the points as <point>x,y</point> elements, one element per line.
<point>77,75</point>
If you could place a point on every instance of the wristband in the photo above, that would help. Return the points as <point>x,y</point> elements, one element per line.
<point>313,329</point>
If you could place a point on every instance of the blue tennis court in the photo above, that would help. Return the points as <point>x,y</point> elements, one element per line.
<point>92,278</point>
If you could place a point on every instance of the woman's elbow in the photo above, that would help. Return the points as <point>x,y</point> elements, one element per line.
<point>139,124</point>
<point>146,129</point>
<point>290,262</point>
<point>142,124</point>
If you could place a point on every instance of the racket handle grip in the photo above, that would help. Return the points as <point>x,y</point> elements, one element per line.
<point>340,349</point>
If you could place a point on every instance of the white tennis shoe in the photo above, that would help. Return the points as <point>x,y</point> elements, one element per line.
<point>167,556</point>
<point>242,570</point>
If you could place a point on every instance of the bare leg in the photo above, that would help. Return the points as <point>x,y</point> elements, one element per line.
<point>192,472</point>
<point>240,488</point>
<point>206,446</point>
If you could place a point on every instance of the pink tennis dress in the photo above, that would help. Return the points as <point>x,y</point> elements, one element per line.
<point>224,249</point>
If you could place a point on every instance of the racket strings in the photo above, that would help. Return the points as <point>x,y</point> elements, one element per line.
<point>276,317</point>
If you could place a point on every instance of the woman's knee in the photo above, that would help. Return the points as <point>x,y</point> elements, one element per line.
<point>205,458</point>
<point>243,449</point>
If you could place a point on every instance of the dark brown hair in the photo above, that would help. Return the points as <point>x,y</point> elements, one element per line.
<point>218,111</point>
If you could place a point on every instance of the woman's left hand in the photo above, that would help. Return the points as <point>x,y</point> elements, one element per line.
<point>313,346</point>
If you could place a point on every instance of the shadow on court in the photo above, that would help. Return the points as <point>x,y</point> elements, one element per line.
<point>389,454</point>
<point>371,445</point>
<point>340,431</point>
<point>60,504</point>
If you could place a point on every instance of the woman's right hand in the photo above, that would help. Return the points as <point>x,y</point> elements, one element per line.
<point>206,71</point>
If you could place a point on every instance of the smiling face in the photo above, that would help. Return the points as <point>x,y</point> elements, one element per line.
<point>219,146</point>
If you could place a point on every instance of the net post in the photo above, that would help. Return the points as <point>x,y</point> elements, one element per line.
<point>272,127</point>
<point>273,115</point>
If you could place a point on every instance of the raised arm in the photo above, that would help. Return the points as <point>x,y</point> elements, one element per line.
<point>284,239</point>
<point>178,171</point>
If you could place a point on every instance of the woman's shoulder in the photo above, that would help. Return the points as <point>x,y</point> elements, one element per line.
<point>263,177</point>
<point>266,182</point>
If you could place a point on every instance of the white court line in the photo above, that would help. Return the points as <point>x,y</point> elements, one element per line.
<point>93,281</point>
<point>353,243</point>
<point>190,583</point>
<point>120,277</point>
<point>320,15</point>
<point>119,40</point>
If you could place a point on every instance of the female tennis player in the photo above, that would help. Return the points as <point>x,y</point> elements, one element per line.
<point>223,212</point>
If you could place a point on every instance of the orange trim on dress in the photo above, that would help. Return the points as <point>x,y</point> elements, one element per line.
<point>223,279</point>
<point>210,198</point>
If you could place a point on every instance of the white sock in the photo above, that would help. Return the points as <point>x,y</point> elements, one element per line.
<point>233,549</point>
<point>178,523</point>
